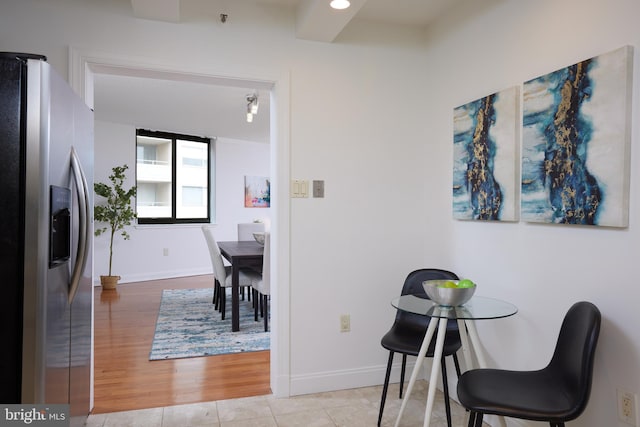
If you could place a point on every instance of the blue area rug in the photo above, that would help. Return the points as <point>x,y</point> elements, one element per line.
<point>188,325</point>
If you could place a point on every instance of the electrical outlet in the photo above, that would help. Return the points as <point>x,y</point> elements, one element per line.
<point>627,408</point>
<point>165,251</point>
<point>345,323</point>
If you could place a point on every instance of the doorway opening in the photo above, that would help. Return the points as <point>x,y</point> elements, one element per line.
<point>83,69</point>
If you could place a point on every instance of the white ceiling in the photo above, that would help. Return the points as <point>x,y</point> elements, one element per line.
<point>192,108</point>
<point>219,110</point>
<point>317,13</point>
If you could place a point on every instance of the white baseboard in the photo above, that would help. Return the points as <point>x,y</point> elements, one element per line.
<point>335,380</point>
<point>157,275</point>
<point>280,386</point>
<point>346,379</point>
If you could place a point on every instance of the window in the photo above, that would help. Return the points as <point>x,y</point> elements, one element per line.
<point>172,174</point>
<point>193,196</point>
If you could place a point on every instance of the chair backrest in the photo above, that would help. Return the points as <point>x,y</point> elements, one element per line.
<point>574,354</point>
<point>413,286</point>
<point>413,282</point>
<point>246,230</point>
<point>216,257</point>
<point>266,263</point>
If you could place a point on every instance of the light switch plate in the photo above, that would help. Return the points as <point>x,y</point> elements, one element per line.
<point>299,188</point>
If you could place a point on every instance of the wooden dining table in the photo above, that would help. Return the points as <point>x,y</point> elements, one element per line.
<point>241,254</point>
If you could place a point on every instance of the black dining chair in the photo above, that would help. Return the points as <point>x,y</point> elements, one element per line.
<point>555,394</point>
<point>408,331</point>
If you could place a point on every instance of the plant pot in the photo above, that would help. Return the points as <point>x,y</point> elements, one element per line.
<point>109,282</point>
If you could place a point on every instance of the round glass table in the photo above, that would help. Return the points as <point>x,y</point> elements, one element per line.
<point>477,308</point>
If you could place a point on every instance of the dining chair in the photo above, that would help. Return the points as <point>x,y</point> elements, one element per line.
<point>262,286</point>
<point>245,233</point>
<point>408,331</point>
<point>246,230</point>
<point>222,273</point>
<point>556,393</point>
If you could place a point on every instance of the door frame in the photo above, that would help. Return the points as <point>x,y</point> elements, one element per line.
<point>84,65</point>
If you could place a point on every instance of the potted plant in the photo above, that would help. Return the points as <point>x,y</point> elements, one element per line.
<point>116,213</point>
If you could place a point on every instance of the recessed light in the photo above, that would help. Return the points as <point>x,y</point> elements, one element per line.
<point>340,4</point>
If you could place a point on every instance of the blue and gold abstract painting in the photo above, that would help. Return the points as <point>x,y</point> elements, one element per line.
<point>575,150</point>
<point>485,142</point>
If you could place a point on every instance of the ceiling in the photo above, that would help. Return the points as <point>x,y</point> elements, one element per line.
<point>315,20</point>
<point>159,104</point>
<point>199,109</point>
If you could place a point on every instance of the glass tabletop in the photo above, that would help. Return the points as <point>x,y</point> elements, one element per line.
<point>476,308</point>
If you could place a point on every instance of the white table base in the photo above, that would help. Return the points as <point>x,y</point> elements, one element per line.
<point>441,323</point>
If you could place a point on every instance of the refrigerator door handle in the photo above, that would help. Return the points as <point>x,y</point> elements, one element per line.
<point>83,223</point>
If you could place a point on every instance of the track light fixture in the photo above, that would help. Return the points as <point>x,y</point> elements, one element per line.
<point>252,106</point>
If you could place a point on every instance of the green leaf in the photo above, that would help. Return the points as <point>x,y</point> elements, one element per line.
<point>116,211</point>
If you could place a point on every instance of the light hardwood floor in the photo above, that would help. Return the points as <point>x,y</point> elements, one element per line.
<point>125,379</point>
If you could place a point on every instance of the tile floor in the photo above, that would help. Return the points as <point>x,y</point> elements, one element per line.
<point>347,408</point>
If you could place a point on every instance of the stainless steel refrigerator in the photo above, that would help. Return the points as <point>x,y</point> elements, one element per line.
<point>46,205</point>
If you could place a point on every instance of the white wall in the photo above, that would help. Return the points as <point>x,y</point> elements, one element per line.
<point>543,269</point>
<point>235,160</point>
<point>187,250</point>
<point>372,116</point>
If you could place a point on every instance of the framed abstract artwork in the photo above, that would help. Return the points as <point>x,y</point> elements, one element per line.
<point>257,192</point>
<point>485,158</point>
<point>575,143</point>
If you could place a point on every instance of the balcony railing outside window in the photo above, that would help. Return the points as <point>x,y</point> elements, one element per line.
<point>173,176</point>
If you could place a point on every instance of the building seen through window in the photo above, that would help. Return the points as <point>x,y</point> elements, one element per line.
<point>173,177</point>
